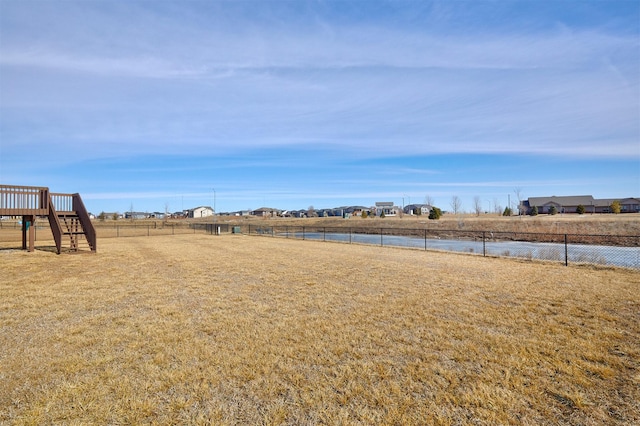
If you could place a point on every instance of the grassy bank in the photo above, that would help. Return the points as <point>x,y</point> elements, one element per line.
<point>236,330</point>
<point>625,224</point>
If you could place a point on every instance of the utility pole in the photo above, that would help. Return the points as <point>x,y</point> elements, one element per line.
<point>214,201</point>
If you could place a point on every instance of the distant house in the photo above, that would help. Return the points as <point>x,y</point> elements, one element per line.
<point>110,216</point>
<point>202,211</point>
<point>627,205</point>
<point>569,204</point>
<point>329,213</point>
<point>386,207</point>
<point>266,212</point>
<point>136,215</point>
<point>423,209</point>
<point>348,211</point>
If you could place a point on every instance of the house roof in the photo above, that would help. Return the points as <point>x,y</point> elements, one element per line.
<point>266,209</point>
<point>574,200</point>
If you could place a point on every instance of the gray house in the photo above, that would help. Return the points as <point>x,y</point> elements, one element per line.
<point>570,204</point>
<point>423,209</point>
<point>266,212</point>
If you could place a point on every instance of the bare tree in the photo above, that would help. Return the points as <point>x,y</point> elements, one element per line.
<point>518,191</point>
<point>455,204</point>
<point>497,208</point>
<point>311,212</point>
<point>428,200</point>
<point>477,205</point>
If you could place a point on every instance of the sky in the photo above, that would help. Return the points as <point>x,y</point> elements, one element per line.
<point>168,105</point>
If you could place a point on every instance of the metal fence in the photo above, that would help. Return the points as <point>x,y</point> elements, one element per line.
<point>117,229</point>
<point>614,250</point>
<point>148,229</point>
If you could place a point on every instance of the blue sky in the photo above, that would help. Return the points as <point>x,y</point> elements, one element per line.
<point>290,104</point>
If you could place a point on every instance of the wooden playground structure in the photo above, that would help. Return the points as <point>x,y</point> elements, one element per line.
<point>68,217</point>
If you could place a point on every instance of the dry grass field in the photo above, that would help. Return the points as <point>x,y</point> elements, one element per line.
<point>198,329</point>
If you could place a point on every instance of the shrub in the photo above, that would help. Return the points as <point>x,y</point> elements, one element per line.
<point>615,207</point>
<point>382,215</point>
<point>534,211</point>
<point>553,210</point>
<point>507,211</point>
<point>580,209</point>
<point>364,214</point>
<point>435,213</point>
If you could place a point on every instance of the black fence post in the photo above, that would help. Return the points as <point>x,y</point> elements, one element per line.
<point>566,251</point>
<point>381,243</point>
<point>303,233</point>
<point>324,234</point>
<point>425,240</point>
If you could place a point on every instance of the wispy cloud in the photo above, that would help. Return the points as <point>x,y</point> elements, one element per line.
<point>339,82</point>
<point>214,52</point>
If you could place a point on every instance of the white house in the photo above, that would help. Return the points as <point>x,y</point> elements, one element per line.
<point>387,208</point>
<point>203,211</point>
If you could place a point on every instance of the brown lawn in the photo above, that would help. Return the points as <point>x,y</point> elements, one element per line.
<point>198,329</point>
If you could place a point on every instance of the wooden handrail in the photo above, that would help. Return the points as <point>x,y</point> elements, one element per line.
<point>85,221</point>
<point>23,200</point>
<point>63,202</point>
<point>56,227</point>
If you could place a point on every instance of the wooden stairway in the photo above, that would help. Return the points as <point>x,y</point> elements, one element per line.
<point>72,228</point>
<point>70,223</point>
